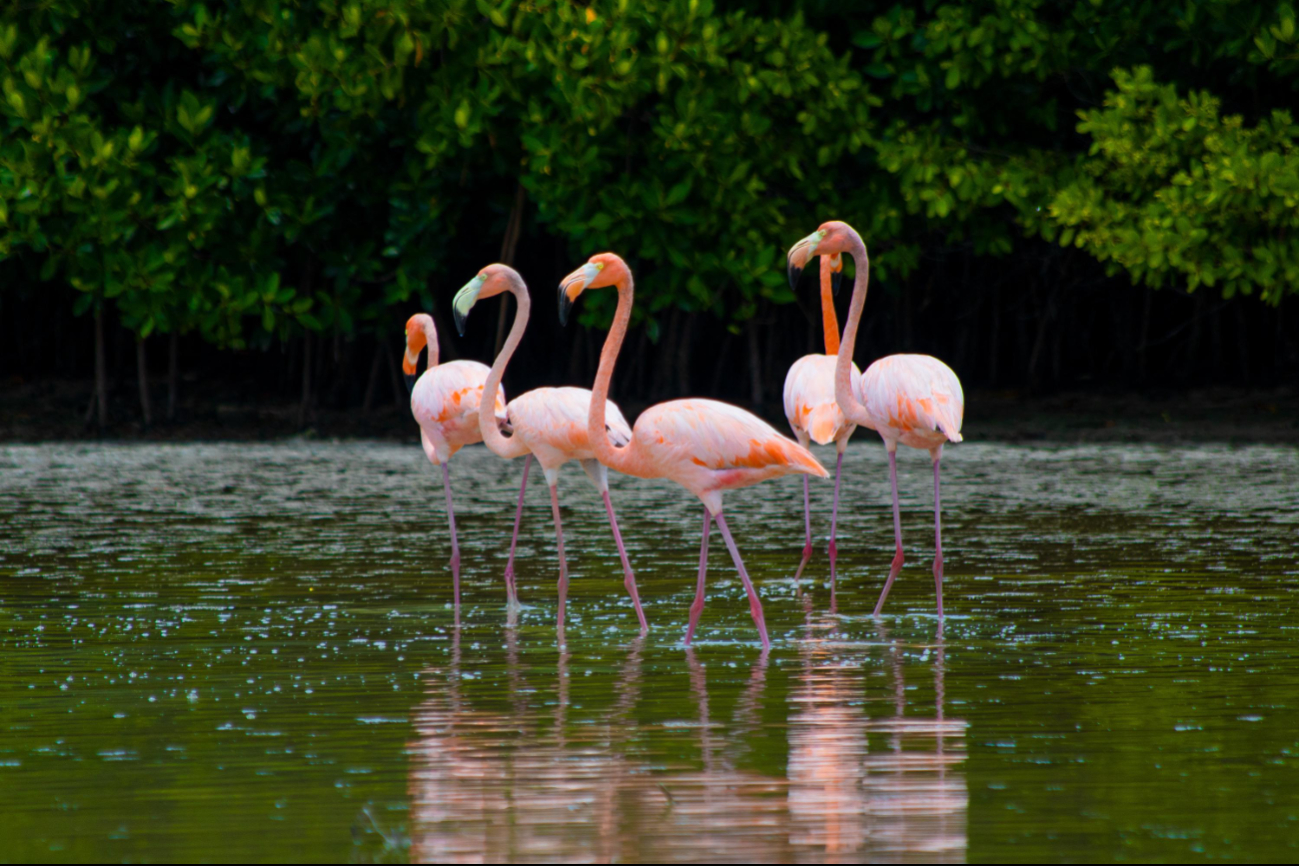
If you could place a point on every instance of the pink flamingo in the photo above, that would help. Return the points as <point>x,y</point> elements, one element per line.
<point>548,423</point>
<point>445,402</point>
<point>705,446</point>
<point>912,399</point>
<point>810,407</point>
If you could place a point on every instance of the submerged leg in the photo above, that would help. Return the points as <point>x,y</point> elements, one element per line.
<point>807,526</point>
<point>511,592</point>
<point>834,521</point>
<point>697,606</point>
<point>755,605</point>
<point>897,532</point>
<point>559,539</point>
<point>630,580</point>
<point>937,454</point>
<point>455,545</point>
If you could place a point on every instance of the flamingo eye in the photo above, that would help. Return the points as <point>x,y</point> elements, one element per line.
<point>599,266</point>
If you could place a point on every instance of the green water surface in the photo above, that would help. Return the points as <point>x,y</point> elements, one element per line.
<point>239,652</point>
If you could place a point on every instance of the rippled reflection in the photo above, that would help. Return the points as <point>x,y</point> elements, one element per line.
<point>528,785</point>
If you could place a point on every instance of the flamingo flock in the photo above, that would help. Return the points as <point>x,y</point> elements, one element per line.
<point>705,446</point>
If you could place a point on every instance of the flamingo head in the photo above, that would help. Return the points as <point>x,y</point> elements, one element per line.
<point>418,328</point>
<point>831,239</point>
<point>491,281</point>
<point>600,271</point>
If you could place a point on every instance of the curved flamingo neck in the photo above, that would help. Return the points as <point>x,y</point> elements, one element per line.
<point>843,393</point>
<point>431,335</point>
<point>829,321</point>
<point>493,438</point>
<point>620,459</point>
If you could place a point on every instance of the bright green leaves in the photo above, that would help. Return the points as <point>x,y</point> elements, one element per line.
<point>192,115</point>
<point>1174,190</point>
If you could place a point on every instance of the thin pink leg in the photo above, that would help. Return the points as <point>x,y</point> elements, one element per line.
<point>897,533</point>
<point>938,539</point>
<point>455,545</point>
<point>563,565</point>
<point>511,591</point>
<point>834,521</point>
<point>807,525</point>
<point>697,607</point>
<point>755,605</point>
<point>630,580</point>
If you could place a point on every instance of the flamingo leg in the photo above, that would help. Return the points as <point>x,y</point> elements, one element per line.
<point>563,565</point>
<point>755,605</point>
<point>455,544</point>
<point>807,525</point>
<point>630,580</point>
<point>834,519</point>
<point>697,606</point>
<point>511,591</point>
<point>897,533</point>
<point>938,537</point>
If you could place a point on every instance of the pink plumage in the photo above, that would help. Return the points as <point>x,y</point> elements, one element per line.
<point>708,447</point>
<point>912,399</point>
<point>445,404</point>
<point>809,401</point>
<point>551,422</point>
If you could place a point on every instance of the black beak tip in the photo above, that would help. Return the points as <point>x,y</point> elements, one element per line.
<point>460,322</point>
<point>794,273</point>
<point>835,280</point>
<point>564,306</point>
<point>410,382</point>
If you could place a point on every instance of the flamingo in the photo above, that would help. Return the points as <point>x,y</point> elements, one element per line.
<point>809,403</point>
<point>706,446</point>
<point>445,402</point>
<point>915,400</point>
<point>547,423</point>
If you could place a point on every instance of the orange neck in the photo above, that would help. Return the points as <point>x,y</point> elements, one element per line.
<point>620,459</point>
<point>829,321</point>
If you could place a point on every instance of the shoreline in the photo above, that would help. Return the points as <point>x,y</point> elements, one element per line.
<point>45,412</point>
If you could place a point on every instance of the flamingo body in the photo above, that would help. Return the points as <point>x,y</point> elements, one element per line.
<point>915,400</point>
<point>708,447</point>
<point>809,400</point>
<point>551,423</point>
<point>445,402</point>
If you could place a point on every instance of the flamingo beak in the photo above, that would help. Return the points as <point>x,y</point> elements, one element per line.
<point>798,256</point>
<point>464,301</point>
<point>410,367</point>
<point>836,273</point>
<point>573,285</point>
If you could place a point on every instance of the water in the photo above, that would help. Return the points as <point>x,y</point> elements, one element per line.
<point>234,652</point>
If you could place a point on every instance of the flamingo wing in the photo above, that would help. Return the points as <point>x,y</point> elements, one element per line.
<point>453,391</point>
<point>558,417</point>
<point>914,393</point>
<point>720,437</point>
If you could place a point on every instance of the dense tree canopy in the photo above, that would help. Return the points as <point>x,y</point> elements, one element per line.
<point>254,169</point>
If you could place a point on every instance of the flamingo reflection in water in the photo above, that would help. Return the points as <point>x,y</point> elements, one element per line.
<point>529,784</point>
